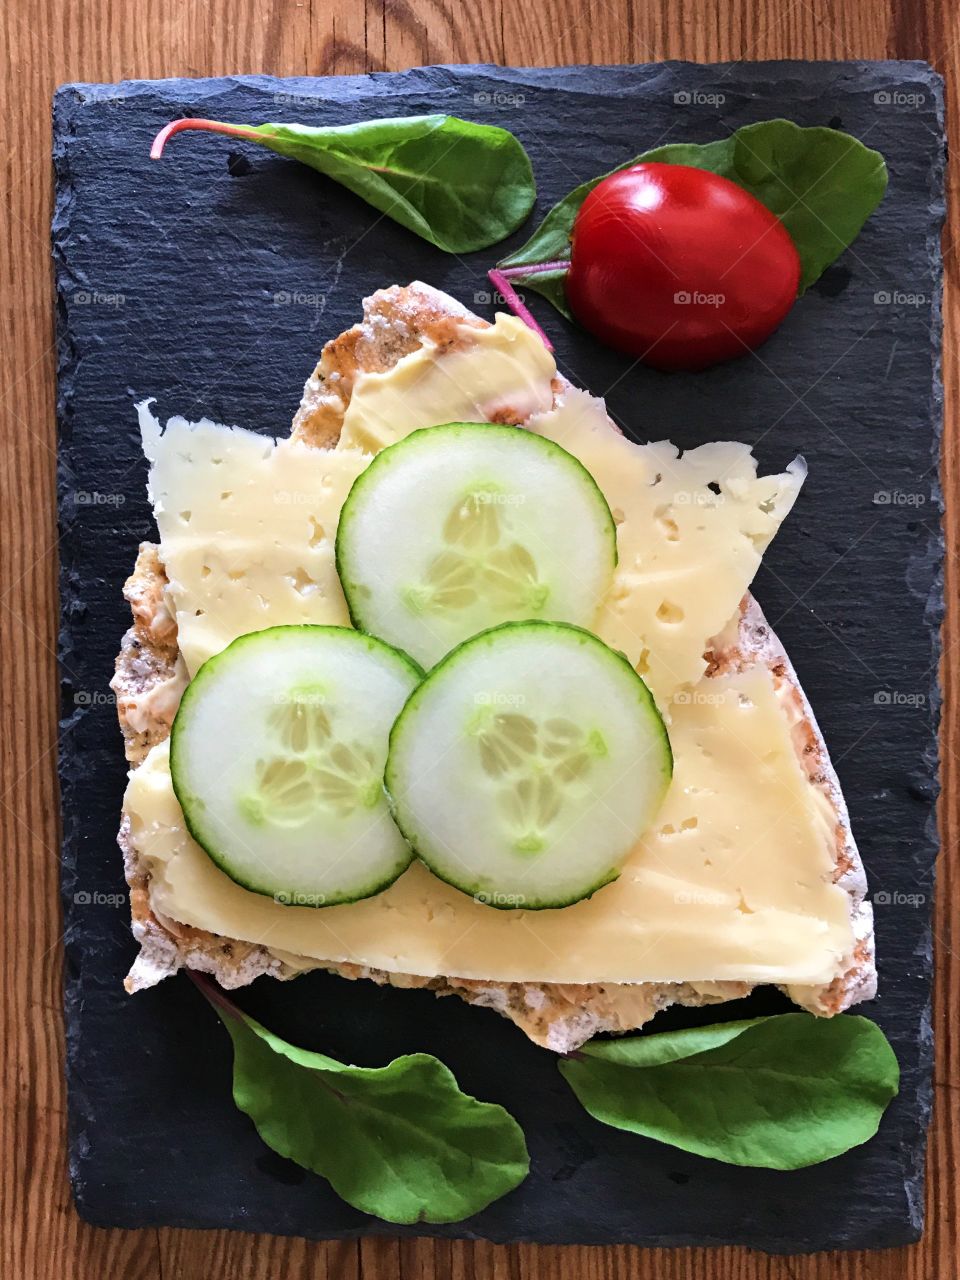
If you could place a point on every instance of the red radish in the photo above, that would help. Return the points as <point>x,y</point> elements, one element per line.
<point>679,267</point>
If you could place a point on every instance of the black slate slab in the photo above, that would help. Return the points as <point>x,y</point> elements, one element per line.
<point>210,281</point>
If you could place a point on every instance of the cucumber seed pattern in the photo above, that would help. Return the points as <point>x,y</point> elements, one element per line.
<point>310,770</point>
<point>480,563</point>
<point>537,766</point>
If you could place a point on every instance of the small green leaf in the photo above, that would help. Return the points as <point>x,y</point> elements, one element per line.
<point>401,1142</point>
<point>821,183</point>
<point>460,185</point>
<point>777,1093</point>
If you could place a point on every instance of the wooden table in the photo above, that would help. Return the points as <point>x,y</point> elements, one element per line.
<point>44,44</point>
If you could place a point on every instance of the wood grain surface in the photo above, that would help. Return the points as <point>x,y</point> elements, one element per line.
<point>43,43</point>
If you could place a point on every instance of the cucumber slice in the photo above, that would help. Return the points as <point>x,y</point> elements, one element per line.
<point>527,765</point>
<point>455,529</point>
<point>277,756</point>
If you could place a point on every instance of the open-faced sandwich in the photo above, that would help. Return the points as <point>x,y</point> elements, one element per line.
<point>456,687</point>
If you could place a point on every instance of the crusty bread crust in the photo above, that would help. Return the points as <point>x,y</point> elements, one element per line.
<point>149,679</point>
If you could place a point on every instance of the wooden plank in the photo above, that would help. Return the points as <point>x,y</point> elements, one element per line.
<point>43,44</point>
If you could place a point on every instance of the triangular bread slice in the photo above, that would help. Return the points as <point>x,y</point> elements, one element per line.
<point>150,677</point>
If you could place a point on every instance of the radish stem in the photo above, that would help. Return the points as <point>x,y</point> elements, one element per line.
<point>518,273</point>
<point>205,126</point>
<point>500,279</point>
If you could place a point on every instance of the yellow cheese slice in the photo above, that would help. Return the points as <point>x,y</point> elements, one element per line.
<point>733,883</point>
<point>691,531</point>
<point>247,527</point>
<point>247,524</point>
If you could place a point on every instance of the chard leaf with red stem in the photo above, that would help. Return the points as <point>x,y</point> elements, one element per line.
<point>462,186</point>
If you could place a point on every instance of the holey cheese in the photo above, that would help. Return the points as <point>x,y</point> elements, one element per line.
<point>247,524</point>
<point>247,527</point>
<point>691,531</point>
<point>734,881</point>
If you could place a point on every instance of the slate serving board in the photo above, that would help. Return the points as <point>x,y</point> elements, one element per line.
<point>210,281</point>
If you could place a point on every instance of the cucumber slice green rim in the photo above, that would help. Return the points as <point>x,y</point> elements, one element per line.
<point>527,765</point>
<point>458,528</point>
<point>277,754</point>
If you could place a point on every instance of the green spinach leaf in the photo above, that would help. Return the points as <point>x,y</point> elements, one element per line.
<point>460,185</point>
<point>401,1142</point>
<point>821,183</point>
<point>779,1093</point>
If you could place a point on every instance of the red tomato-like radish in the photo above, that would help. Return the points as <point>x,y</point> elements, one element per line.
<point>679,266</point>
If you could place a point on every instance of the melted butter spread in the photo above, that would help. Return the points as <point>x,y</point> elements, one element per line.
<point>496,374</point>
<point>733,882</point>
